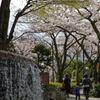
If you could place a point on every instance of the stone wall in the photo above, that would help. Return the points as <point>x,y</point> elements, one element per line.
<point>19,78</point>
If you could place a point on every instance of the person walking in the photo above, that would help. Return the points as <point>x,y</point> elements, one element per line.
<point>67,85</point>
<point>77,91</point>
<point>86,82</point>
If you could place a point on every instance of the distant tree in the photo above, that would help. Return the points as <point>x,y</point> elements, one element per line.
<point>92,16</point>
<point>25,44</point>
<point>67,70</point>
<point>73,66</point>
<point>43,56</point>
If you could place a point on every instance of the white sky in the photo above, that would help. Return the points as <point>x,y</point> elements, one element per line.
<point>17,3</point>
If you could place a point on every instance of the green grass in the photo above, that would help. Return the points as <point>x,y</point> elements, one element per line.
<point>56,83</point>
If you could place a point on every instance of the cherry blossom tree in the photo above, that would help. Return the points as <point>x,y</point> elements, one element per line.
<point>71,23</point>
<point>61,40</point>
<point>7,35</point>
<point>30,6</point>
<point>26,43</point>
<point>77,24</point>
<point>92,15</point>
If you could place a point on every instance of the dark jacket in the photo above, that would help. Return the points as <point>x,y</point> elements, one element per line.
<point>85,82</point>
<point>67,84</point>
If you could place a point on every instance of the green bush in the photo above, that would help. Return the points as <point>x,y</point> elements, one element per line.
<point>52,86</point>
<point>95,92</point>
<point>48,87</point>
<point>72,88</point>
<point>56,83</point>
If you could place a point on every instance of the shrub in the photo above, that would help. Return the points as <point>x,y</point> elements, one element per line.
<point>48,87</point>
<point>52,91</point>
<point>72,88</point>
<point>95,91</point>
<point>57,85</point>
<point>52,86</point>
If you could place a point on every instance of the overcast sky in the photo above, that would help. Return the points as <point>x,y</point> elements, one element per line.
<point>16,3</point>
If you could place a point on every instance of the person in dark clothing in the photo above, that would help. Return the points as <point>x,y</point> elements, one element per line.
<point>85,82</point>
<point>67,85</point>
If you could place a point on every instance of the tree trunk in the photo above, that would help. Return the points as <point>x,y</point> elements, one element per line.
<point>95,74</point>
<point>60,77</point>
<point>77,80</point>
<point>99,63</point>
<point>4,21</point>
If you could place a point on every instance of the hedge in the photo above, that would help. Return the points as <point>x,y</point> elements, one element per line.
<point>54,86</point>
